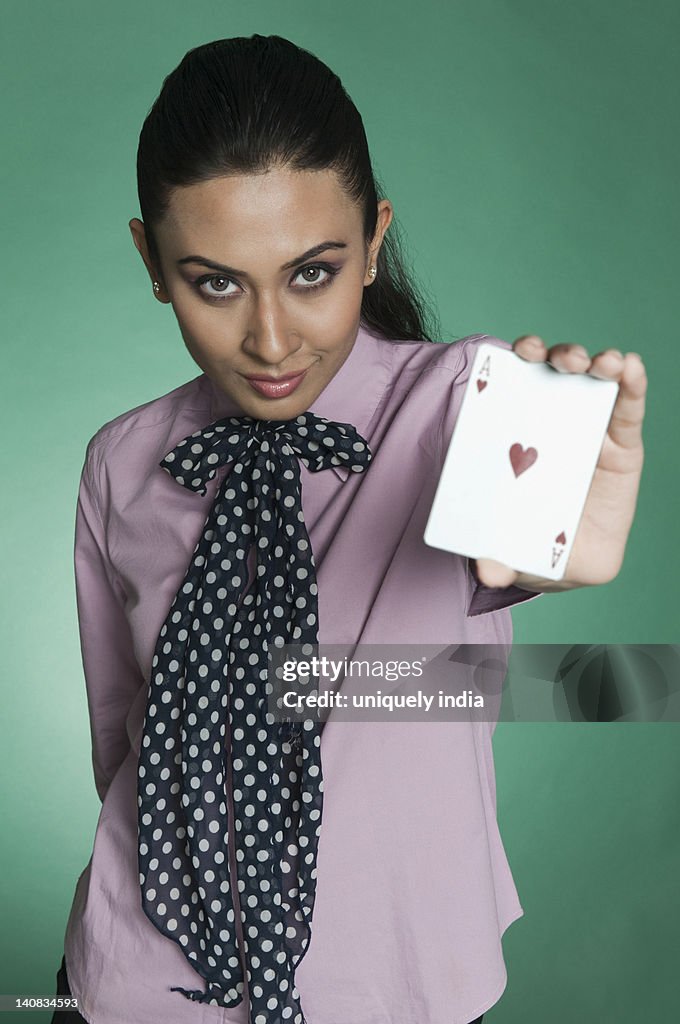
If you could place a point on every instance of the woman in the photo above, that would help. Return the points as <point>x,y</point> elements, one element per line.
<point>213,880</point>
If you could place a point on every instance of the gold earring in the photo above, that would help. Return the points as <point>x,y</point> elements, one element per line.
<point>156,287</point>
<point>372,271</point>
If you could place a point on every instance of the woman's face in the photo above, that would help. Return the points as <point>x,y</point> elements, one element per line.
<point>265,273</point>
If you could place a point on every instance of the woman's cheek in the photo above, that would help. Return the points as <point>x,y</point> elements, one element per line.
<point>198,350</point>
<point>202,328</point>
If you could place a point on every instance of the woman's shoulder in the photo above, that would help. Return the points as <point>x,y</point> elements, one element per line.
<point>155,413</point>
<point>424,385</point>
<point>435,365</point>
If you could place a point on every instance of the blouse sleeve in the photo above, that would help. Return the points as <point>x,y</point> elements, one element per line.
<point>481,598</point>
<point>112,675</point>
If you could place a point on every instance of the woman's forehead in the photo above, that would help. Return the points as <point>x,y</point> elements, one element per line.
<point>279,204</point>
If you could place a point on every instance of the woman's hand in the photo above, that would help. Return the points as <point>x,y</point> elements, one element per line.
<point>597,553</point>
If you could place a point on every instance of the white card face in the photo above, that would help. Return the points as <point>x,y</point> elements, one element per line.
<point>520,463</point>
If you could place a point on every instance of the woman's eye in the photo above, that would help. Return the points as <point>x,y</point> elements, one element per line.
<point>218,285</point>
<point>309,275</point>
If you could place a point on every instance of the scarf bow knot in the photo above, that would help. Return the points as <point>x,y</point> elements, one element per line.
<point>317,442</point>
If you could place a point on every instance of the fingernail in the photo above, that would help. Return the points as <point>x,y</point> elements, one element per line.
<point>615,352</point>
<point>579,350</point>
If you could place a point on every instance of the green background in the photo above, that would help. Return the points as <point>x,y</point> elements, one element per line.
<point>530,148</point>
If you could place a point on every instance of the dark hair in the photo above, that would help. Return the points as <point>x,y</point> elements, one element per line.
<point>241,106</point>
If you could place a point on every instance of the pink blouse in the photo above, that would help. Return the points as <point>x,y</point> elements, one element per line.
<point>413,888</point>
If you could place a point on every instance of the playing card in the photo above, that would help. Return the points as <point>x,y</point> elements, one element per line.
<point>520,463</point>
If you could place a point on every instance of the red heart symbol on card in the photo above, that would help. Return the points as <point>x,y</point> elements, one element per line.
<point>481,384</point>
<point>522,459</point>
<point>561,539</point>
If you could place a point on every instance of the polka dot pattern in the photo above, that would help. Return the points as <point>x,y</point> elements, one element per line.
<point>210,668</point>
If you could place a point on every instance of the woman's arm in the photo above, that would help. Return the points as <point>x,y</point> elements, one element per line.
<point>112,675</point>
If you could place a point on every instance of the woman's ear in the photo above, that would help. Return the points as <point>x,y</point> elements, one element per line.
<point>138,233</point>
<point>384,219</point>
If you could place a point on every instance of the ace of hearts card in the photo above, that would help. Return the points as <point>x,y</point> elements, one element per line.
<point>520,463</point>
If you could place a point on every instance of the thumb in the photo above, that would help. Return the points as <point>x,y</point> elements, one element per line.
<point>494,574</point>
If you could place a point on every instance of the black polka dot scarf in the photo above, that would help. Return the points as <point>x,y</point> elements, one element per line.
<point>210,663</point>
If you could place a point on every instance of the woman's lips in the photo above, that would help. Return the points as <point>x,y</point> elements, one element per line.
<point>278,387</point>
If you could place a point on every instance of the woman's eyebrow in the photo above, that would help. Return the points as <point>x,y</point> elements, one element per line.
<point>314,251</point>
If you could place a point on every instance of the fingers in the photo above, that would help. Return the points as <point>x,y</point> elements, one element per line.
<point>606,365</point>
<point>530,347</point>
<point>625,426</point>
<point>565,358</point>
<point>494,574</point>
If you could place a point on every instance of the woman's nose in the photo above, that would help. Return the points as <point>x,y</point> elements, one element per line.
<point>270,337</point>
